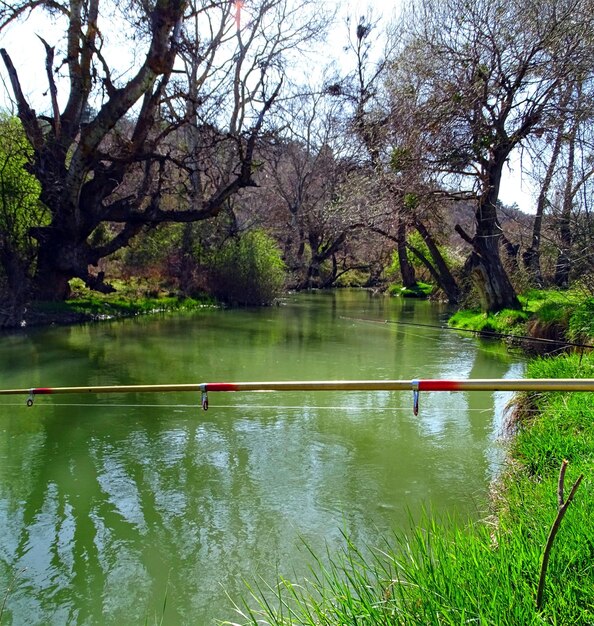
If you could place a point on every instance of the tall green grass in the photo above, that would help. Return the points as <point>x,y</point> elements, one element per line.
<point>505,321</point>
<point>570,311</point>
<point>486,573</point>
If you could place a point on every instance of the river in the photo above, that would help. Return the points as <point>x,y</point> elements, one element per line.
<point>132,509</point>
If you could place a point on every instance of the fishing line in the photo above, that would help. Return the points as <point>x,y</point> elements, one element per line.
<point>481,333</point>
<point>408,333</point>
<point>278,407</point>
<point>433,336</point>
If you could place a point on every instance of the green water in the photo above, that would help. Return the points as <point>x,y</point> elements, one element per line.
<point>129,509</point>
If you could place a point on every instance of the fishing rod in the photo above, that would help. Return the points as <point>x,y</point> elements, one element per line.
<point>415,385</point>
<point>484,333</point>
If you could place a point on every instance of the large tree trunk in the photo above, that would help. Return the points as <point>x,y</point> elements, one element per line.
<point>59,260</point>
<point>407,271</point>
<point>50,282</point>
<point>484,266</point>
<point>490,279</point>
<point>14,300</point>
<point>312,280</point>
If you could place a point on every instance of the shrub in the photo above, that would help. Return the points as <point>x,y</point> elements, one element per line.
<point>248,270</point>
<point>581,322</point>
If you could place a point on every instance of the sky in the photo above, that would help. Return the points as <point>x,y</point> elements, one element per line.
<point>27,53</point>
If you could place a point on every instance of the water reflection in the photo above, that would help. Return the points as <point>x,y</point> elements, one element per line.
<point>110,509</point>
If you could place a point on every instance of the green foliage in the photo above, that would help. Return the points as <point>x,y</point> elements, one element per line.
<point>134,297</point>
<point>393,269</point>
<point>440,573</point>
<point>415,240</point>
<point>581,321</point>
<point>550,305</point>
<point>20,207</point>
<point>248,270</point>
<point>352,278</point>
<point>553,312</point>
<point>411,201</point>
<point>400,159</point>
<point>178,254</point>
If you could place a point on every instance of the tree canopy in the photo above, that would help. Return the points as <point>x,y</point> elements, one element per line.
<point>171,142</point>
<point>216,114</point>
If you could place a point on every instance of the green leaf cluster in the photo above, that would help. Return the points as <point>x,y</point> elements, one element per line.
<point>20,206</point>
<point>415,240</point>
<point>248,270</point>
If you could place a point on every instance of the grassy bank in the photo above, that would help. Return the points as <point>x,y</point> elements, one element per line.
<point>422,290</point>
<point>565,315</point>
<point>487,573</point>
<point>132,298</point>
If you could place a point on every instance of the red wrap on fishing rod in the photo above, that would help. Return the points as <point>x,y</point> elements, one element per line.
<point>439,385</point>
<point>220,387</point>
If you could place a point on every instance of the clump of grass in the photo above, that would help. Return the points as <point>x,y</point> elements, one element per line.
<point>566,428</point>
<point>352,278</point>
<point>507,321</point>
<point>422,290</point>
<point>137,298</point>
<point>440,573</point>
<point>581,321</point>
<point>97,307</point>
<point>435,574</point>
<point>125,307</point>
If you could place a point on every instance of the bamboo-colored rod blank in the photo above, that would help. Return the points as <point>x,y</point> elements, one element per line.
<point>496,384</point>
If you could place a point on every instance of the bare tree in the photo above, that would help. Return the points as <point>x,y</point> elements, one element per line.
<point>114,153</point>
<point>303,169</point>
<point>565,153</point>
<point>577,170</point>
<point>531,256</point>
<point>364,90</point>
<point>481,78</point>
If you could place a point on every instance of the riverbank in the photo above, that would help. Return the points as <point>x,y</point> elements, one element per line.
<point>93,309</point>
<point>553,316</point>
<point>492,571</point>
<point>134,297</point>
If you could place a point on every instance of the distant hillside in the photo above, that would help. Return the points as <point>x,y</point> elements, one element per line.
<point>517,225</point>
